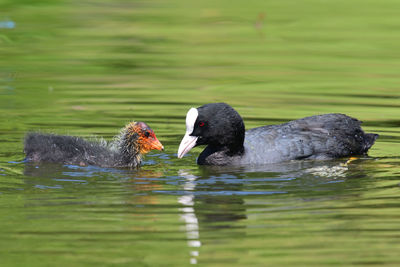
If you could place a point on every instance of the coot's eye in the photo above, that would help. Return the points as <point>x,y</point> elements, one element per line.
<point>146,133</point>
<point>201,124</point>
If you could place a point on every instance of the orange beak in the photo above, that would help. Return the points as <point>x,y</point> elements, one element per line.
<point>156,144</point>
<point>150,143</point>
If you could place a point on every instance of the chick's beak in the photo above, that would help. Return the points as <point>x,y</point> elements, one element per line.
<point>156,144</point>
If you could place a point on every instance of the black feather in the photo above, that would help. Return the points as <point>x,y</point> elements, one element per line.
<point>317,137</point>
<point>122,152</point>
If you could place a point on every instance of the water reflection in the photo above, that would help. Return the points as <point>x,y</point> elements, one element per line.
<point>215,204</point>
<point>210,211</point>
<point>7,24</point>
<point>293,169</point>
<point>189,216</point>
<point>53,175</point>
<point>217,198</point>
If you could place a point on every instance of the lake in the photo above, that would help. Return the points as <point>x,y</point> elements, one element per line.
<point>86,68</point>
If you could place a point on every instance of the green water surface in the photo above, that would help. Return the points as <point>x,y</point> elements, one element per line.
<point>88,67</point>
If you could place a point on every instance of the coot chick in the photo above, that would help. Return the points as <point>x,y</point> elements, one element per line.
<point>221,128</point>
<point>126,150</point>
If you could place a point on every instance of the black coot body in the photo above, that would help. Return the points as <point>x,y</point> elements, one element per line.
<point>221,128</point>
<point>134,140</point>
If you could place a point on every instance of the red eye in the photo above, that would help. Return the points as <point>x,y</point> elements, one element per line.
<point>201,124</point>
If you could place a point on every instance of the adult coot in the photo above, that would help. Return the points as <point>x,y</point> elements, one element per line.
<point>126,150</point>
<point>221,128</point>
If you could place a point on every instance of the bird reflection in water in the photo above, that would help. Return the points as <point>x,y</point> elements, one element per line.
<point>189,217</point>
<point>208,206</point>
<point>216,198</point>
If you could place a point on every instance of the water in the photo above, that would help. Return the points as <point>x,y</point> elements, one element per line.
<point>86,68</point>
